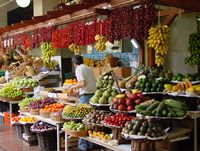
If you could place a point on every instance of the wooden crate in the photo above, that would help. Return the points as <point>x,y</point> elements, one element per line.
<point>122,72</point>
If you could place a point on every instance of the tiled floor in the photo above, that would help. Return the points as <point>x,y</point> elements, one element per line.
<point>10,142</point>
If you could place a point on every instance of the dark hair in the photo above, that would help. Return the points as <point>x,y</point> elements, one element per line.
<point>77,59</point>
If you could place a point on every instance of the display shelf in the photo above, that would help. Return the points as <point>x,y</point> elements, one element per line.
<point>49,121</point>
<point>184,95</point>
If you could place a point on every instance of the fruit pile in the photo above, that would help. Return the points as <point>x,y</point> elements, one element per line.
<point>127,102</point>
<point>118,120</point>
<point>26,101</point>
<point>10,91</point>
<point>24,82</point>
<point>100,43</point>
<point>75,48</point>
<point>104,96</point>
<point>39,125</point>
<point>79,111</point>
<point>195,89</point>
<point>143,127</point>
<point>165,108</point>
<point>48,51</point>
<point>194,49</point>
<point>183,86</point>
<point>16,119</point>
<point>149,85</point>
<point>53,107</point>
<point>105,81</point>
<point>70,81</point>
<point>181,77</point>
<point>99,135</point>
<point>41,103</point>
<point>89,62</point>
<point>158,39</point>
<point>27,119</point>
<point>96,116</point>
<point>74,126</point>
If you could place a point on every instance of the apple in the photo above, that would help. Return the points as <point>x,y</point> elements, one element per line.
<point>130,108</point>
<point>122,107</point>
<point>114,100</point>
<point>128,101</point>
<point>122,101</point>
<point>139,95</point>
<point>115,106</point>
<point>138,101</point>
<point>133,96</point>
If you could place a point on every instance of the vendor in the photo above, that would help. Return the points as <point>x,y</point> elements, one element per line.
<point>87,87</point>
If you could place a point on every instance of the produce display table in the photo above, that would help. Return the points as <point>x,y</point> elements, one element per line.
<point>49,121</point>
<point>11,103</point>
<point>122,147</point>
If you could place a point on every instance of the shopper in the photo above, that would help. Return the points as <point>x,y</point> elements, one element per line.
<point>87,87</point>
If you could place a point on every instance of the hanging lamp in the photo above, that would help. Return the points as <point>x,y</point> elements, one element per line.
<point>23,3</point>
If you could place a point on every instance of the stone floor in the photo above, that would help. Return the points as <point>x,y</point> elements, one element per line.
<point>10,142</point>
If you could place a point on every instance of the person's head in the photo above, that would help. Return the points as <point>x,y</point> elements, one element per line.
<point>77,60</point>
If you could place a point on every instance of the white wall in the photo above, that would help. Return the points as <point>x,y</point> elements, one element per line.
<point>180,30</point>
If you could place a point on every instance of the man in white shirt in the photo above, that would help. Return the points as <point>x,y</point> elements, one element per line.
<point>87,87</point>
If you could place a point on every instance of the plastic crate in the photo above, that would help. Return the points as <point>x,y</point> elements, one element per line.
<point>27,129</point>
<point>7,118</point>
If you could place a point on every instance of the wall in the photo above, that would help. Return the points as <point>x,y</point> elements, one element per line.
<point>180,30</point>
<point>3,18</point>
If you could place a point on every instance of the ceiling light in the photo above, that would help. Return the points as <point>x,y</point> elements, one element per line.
<point>23,3</point>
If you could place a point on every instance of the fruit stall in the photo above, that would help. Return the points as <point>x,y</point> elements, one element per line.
<point>139,105</point>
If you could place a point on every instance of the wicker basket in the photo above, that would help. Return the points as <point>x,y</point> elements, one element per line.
<point>34,111</point>
<point>56,118</point>
<point>117,135</point>
<point>14,99</point>
<point>143,145</point>
<point>38,62</point>
<point>47,140</point>
<point>26,57</point>
<point>23,109</point>
<point>76,133</point>
<point>44,114</point>
<point>17,57</point>
<point>6,57</point>
<point>27,89</point>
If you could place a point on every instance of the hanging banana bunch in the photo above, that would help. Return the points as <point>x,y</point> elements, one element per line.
<point>48,51</point>
<point>100,43</point>
<point>75,48</point>
<point>158,39</point>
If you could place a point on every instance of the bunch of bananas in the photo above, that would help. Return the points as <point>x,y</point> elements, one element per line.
<point>158,39</point>
<point>183,86</point>
<point>100,43</point>
<point>75,48</point>
<point>89,62</point>
<point>194,48</point>
<point>194,89</point>
<point>48,51</point>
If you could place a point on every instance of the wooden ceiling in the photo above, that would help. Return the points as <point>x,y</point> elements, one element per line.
<point>66,14</point>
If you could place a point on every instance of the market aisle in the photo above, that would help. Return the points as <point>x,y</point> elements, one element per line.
<point>10,142</point>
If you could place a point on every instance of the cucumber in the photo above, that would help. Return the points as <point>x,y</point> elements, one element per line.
<point>148,113</point>
<point>175,104</point>
<point>142,107</point>
<point>154,111</point>
<point>164,112</point>
<point>153,106</point>
<point>179,113</point>
<point>160,107</point>
<point>172,113</point>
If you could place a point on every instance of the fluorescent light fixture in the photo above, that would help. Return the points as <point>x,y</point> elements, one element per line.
<point>135,43</point>
<point>23,3</point>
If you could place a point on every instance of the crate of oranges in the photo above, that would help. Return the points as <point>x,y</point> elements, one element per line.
<point>45,112</point>
<point>70,82</point>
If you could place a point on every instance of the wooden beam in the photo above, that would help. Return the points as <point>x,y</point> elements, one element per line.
<point>193,5</point>
<point>103,11</point>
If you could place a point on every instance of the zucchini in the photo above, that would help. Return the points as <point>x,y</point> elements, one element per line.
<point>175,104</point>
<point>160,107</point>
<point>154,111</point>
<point>148,113</point>
<point>172,113</point>
<point>153,106</point>
<point>179,113</point>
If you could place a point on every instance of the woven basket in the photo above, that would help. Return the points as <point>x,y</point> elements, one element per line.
<point>6,57</point>
<point>23,109</point>
<point>14,99</point>
<point>76,133</point>
<point>34,111</point>
<point>56,118</point>
<point>44,114</point>
<point>26,57</point>
<point>17,57</point>
<point>143,145</point>
<point>38,63</point>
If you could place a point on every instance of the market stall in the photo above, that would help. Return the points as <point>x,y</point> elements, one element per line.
<point>138,104</point>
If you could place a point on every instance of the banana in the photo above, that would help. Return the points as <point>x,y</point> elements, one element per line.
<point>100,43</point>
<point>75,48</point>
